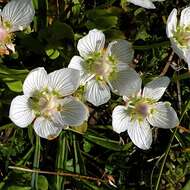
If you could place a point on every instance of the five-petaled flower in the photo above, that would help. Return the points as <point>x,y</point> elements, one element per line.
<point>143,109</point>
<point>102,70</point>
<point>179,33</point>
<point>148,4</point>
<point>48,103</point>
<point>15,16</point>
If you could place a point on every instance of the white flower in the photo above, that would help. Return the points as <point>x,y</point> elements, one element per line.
<point>148,4</point>
<point>102,70</point>
<point>179,33</point>
<point>43,102</point>
<point>15,16</point>
<point>143,110</point>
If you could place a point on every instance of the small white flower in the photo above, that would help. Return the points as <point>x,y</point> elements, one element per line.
<point>16,15</point>
<point>143,110</point>
<point>43,102</point>
<point>179,33</point>
<point>148,4</point>
<point>102,70</point>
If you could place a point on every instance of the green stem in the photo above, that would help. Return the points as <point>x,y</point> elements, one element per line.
<point>151,46</point>
<point>11,149</point>
<point>40,20</point>
<point>78,156</point>
<point>165,158</point>
<point>34,182</point>
<point>62,154</point>
<point>75,157</point>
<point>26,157</point>
<point>168,148</point>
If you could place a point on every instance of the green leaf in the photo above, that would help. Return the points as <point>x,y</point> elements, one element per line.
<point>103,19</point>
<point>78,161</point>
<point>61,160</point>
<point>187,186</point>
<point>42,183</point>
<point>61,30</point>
<point>14,187</point>
<point>102,23</point>
<point>2,185</point>
<point>87,146</point>
<point>142,34</point>
<point>15,86</point>
<point>113,34</point>
<point>104,142</point>
<point>52,53</point>
<point>6,74</point>
<point>181,77</point>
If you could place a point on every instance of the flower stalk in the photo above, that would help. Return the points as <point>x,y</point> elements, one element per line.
<point>34,182</point>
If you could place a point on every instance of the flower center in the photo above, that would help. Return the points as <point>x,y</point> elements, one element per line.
<point>45,104</point>
<point>182,36</point>
<point>139,108</point>
<point>142,109</point>
<point>3,34</point>
<point>100,64</point>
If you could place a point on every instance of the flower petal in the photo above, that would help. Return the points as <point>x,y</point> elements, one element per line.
<point>158,0</point>
<point>77,63</point>
<point>188,60</point>
<point>181,52</point>
<point>64,81</point>
<point>11,47</point>
<point>185,17</point>
<point>171,26</point>
<point>126,83</point>
<point>121,66</point>
<point>19,13</point>
<point>74,112</point>
<point>120,119</point>
<point>163,116</point>
<point>36,80</point>
<point>156,88</point>
<point>143,3</point>
<point>97,92</point>
<point>46,128</point>
<point>92,42</point>
<point>21,112</point>
<point>122,50</point>
<point>140,133</point>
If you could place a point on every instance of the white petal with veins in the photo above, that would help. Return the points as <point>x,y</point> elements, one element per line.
<point>171,26</point>
<point>64,81</point>
<point>36,80</point>
<point>46,128</point>
<point>120,119</point>
<point>156,88</point>
<point>93,42</point>
<point>143,3</point>
<point>21,111</point>
<point>74,112</point>
<point>126,83</point>
<point>122,50</point>
<point>77,63</point>
<point>163,116</point>
<point>97,92</point>
<point>140,133</point>
<point>19,13</point>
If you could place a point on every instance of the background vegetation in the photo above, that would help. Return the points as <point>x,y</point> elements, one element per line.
<point>95,158</point>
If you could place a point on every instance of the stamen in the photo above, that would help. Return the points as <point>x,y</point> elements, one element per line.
<point>45,104</point>
<point>100,64</point>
